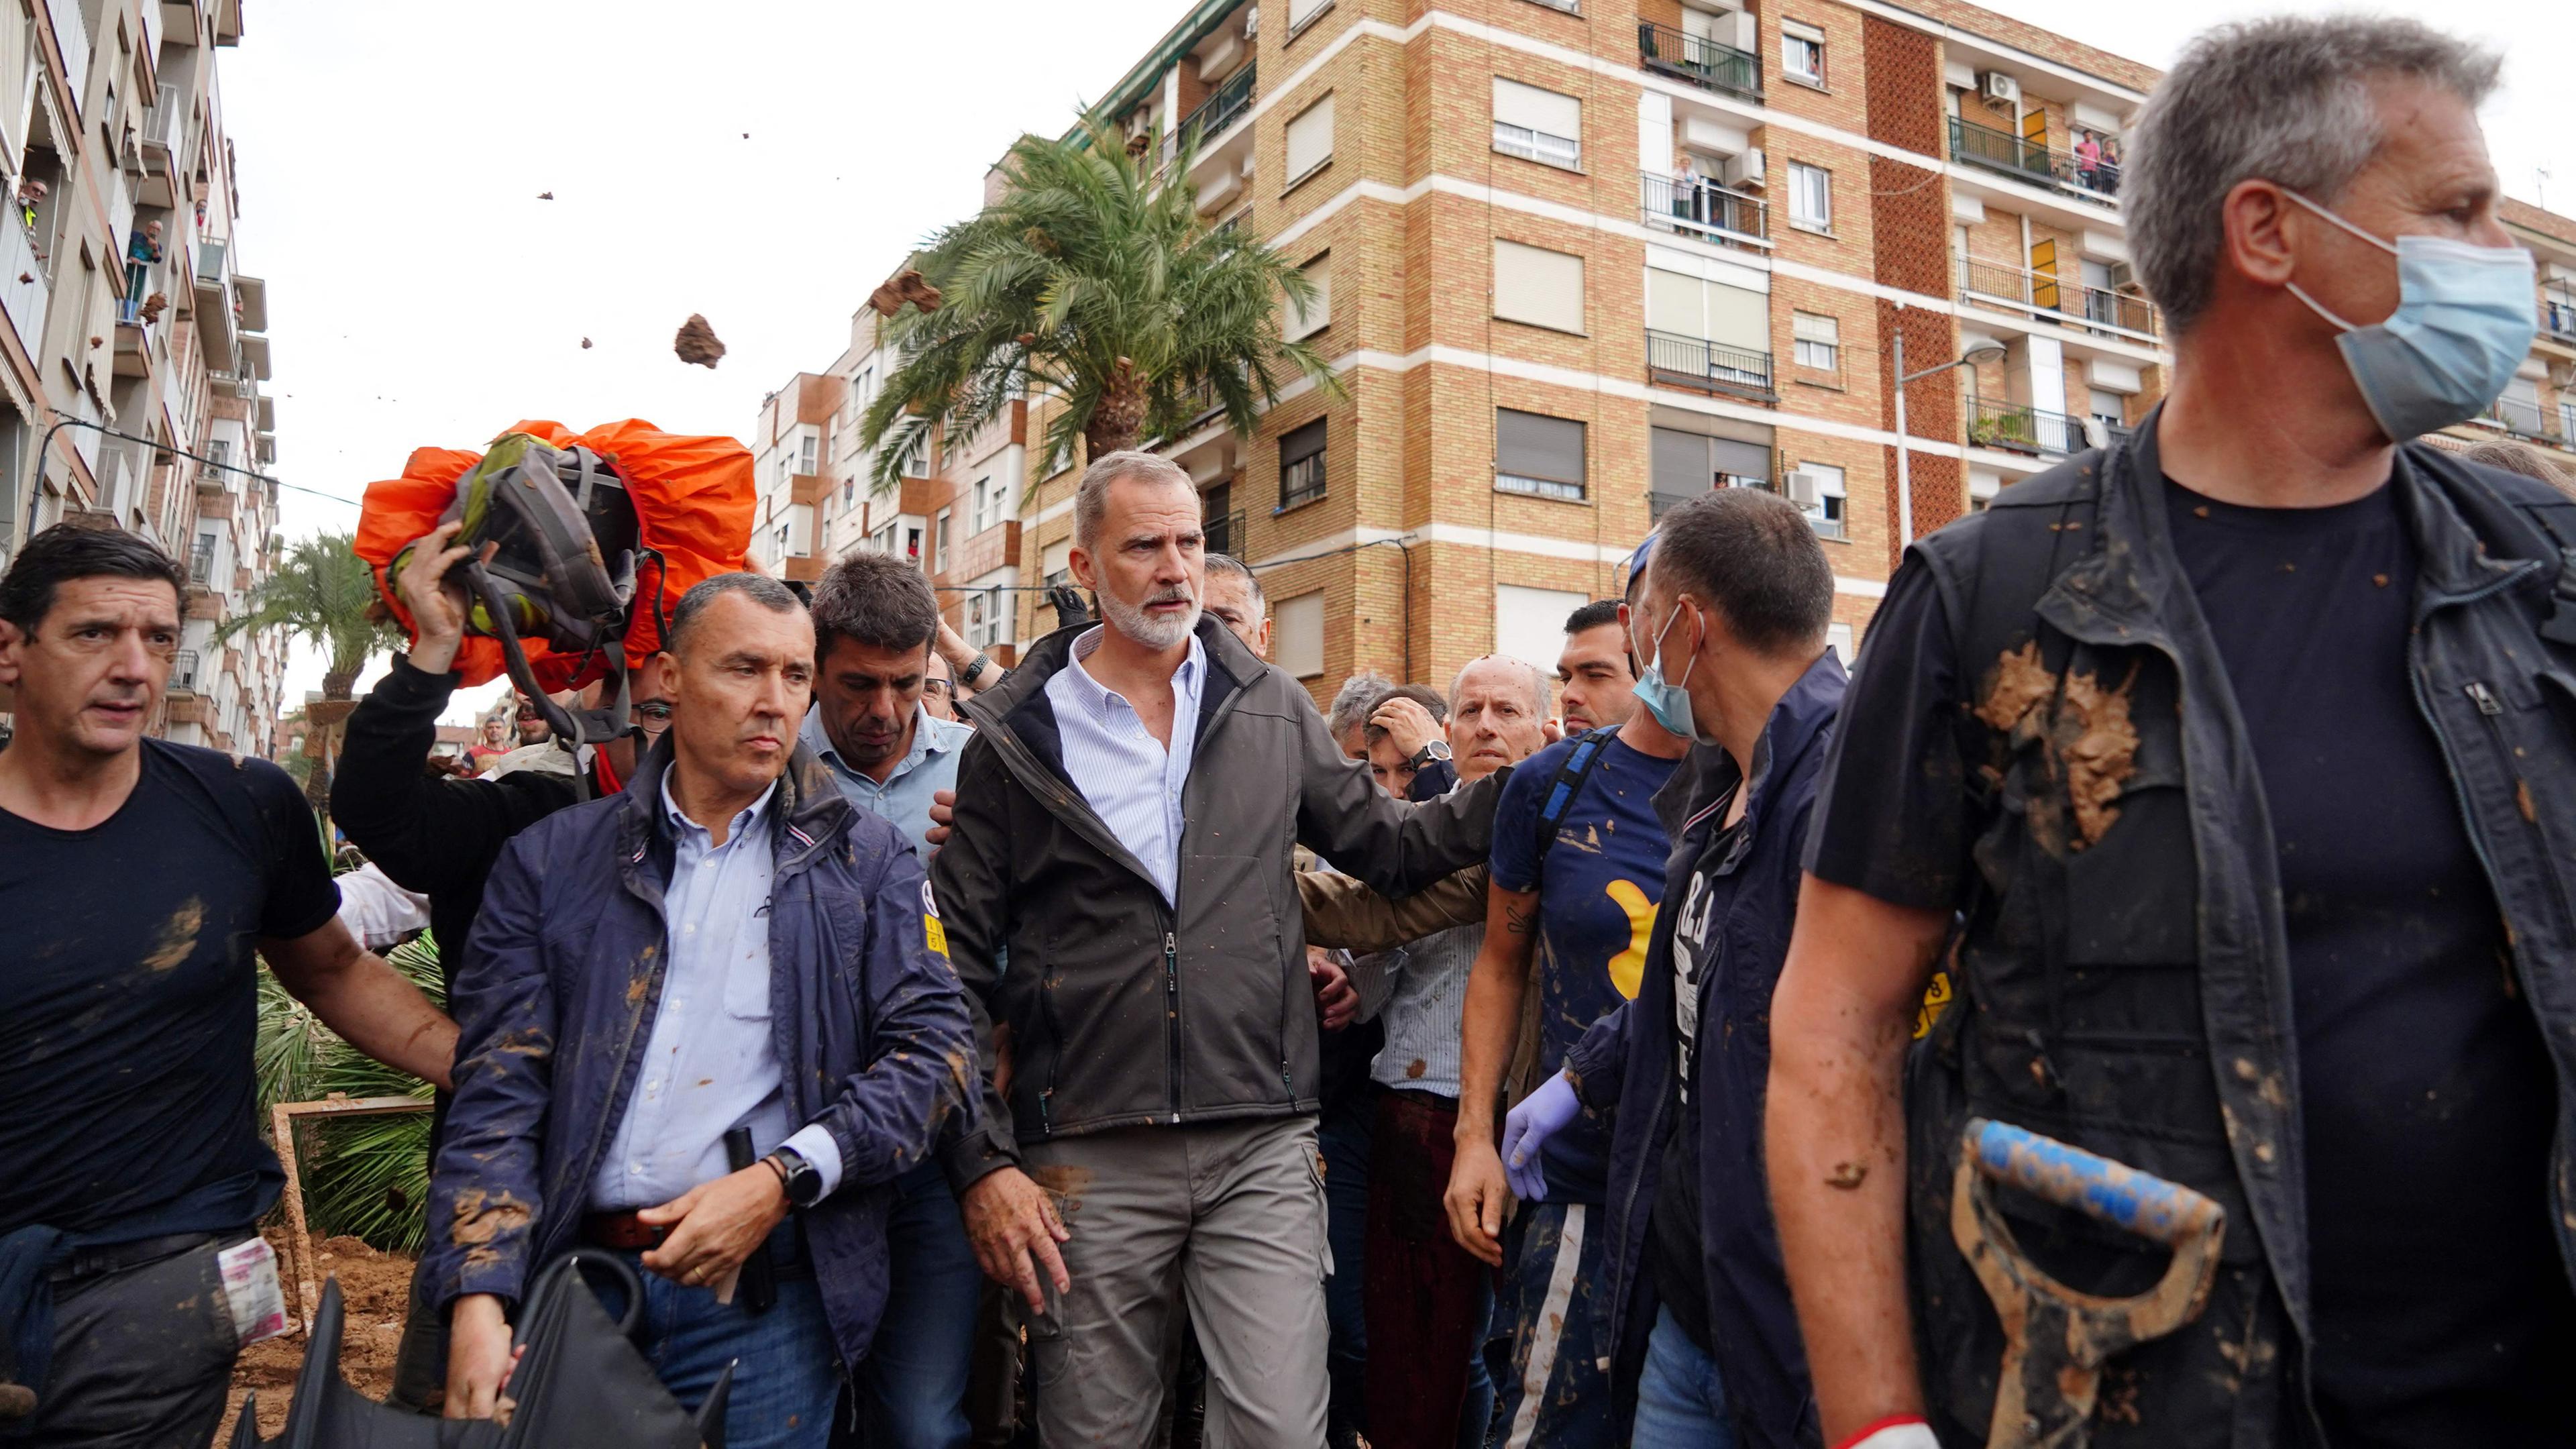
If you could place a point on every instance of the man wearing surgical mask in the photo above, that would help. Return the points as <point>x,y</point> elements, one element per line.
<point>2230,773</point>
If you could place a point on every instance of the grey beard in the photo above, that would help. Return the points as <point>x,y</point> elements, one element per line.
<point>1144,629</point>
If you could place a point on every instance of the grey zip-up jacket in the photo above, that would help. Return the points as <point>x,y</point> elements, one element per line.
<point>1125,1010</point>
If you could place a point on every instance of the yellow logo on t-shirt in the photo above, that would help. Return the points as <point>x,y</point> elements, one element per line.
<point>936,933</point>
<point>1628,968</point>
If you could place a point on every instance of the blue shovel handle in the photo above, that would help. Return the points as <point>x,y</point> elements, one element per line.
<point>2103,1190</point>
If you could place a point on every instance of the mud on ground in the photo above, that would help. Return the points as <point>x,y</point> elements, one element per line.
<point>374,1287</point>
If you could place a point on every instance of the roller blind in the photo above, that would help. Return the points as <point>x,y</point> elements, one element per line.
<point>1303,321</point>
<point>1298,639</point>
<point>1516,104</point>
<point>1538,286</point>
<point>1534,445</point>
<point>1301,444</point>
<point>1310,138</point>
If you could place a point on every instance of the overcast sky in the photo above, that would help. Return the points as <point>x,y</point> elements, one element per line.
<point>763,162</point>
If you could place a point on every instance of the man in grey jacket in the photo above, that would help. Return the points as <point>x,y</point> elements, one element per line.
<point>1124,823</point>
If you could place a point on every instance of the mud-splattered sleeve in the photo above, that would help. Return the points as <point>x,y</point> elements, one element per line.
<point>1598,1064</point>
<point>971,877</point>
<point>484,1190</point>
<point>1892,814</point>
<point>921,1056</point>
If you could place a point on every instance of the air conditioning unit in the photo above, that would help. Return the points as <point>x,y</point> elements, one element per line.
<point>1804,489</point>
<point>1998,88</point>
<point>1744,171</point>
<point>2123,276</point>
<point>1252,23</point>
<point>1140,121</point>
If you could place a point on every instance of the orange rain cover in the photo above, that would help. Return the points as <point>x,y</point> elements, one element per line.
<point>693,501</point>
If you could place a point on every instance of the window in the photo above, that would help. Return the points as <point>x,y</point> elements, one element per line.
<point>1537,286</point>
<point>1301,11</point>
<point>1056,560</point>
<point>1538,455</point>
<point>1308,320</point>
<point>939,544</point>
<point>987,505</point>
<point>1685,465</point>
<point>1817,488</point>
<point>1737,318</point>
<point>1802,52</point>
<point>1819,341</point>
<point>1297,641</point>
<point>1301,465</point>
<point>1529,624</point>
<point>1811,197</point>
<point>1538,125</point>
<point>805,456</point>
<point>1310,141</point>
<point>2109,408</point>
<point>988,618</point>
<point>912,545</point>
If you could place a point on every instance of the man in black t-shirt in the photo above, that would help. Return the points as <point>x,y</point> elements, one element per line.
<point>137,878</point>
<point>2240,757</point>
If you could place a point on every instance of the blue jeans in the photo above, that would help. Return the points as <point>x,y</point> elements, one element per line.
<point>786,1377</point>
<point>913,1385</point>
<point>1680,1402</point>
<point>1344,1138</point>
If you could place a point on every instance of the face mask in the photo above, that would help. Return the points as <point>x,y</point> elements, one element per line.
<point>1668,703</point>
<point>2463,323</point>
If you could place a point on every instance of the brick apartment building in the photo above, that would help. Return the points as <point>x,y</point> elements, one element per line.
<point>114,107</point>
<point>1584,258</point>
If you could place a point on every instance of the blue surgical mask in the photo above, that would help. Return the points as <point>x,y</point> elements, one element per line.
<point>2464,320</point>
<point>1669,703</point>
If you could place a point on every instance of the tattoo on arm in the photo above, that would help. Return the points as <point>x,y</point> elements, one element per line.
<point>1520,920</point>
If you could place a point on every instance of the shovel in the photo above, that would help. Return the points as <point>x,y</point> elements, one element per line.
<point>2056,1339</point>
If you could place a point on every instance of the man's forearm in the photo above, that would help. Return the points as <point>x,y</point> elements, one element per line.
<point>377,1010</point>
<point>1495,985</point>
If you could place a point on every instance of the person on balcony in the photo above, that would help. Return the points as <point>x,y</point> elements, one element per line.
<point>142,254</point>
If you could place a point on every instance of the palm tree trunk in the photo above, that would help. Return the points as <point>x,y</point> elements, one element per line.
<point>327,717</point>
<point>1119,421</point>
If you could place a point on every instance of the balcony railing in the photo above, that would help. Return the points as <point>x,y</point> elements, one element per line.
<point>1231,102</point>
<point>1702,62</point>
<point>2525,420</point>
<point>1699,205</point>
<point>2558,319</point>
<point>183,672</point>
<point>1696,362</point>
<point>2014,428</point>
<point>201,561</point>
<point>2031,161</point>
<point>1225,534</point>
<point>2054,298</point>
<point>24,290</point>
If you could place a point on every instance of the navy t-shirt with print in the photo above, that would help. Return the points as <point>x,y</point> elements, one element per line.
<point>129,998</point>
<point>1602,880</point>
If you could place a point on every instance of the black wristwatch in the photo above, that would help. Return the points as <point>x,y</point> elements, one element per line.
<point>974,669</point>
<point>1436,750</point>
<point>802,1179</point>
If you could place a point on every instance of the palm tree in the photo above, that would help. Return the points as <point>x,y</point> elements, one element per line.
<point>324,594</point>
<point>1094,279</point>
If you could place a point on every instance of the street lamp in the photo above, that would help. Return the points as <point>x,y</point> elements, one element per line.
<point>1988,351</point>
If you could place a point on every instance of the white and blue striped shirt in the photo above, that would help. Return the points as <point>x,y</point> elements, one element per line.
<point>1132,781</point>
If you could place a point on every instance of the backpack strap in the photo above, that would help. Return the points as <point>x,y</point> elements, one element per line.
<point>1589,748</point>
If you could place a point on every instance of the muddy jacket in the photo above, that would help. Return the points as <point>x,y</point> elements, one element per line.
<point>2123,973</point>
<point>1125,1010</point>
<point>1624,1065</point>
<point>871,1031</point>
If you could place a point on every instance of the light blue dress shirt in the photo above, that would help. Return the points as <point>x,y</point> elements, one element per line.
<point>709,1065</point>
<point>1131,780</point>
<point>903,801</point>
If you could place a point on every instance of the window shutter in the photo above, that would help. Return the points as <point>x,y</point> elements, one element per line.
<point>1310,138</point>
<point>1534,445</point>
<point>1811,328</point>
<point>1298,640</point>
<point>1304,321</point>
<point>1739,459</point>
<point>1301,444</point>
<point>1547,112</point>
<point>1538,286</point>
<point>1681,465</point>
<point>1738,318</point>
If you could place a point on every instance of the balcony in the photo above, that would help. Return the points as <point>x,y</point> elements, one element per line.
<point>2045,297</point>
<point>1673,360</point>
<point>1701,62</point>
<point>163,138</point>
<point>253,295</point>
<point>2032,162</point>
<point>183,672</point>
<point>179,24</point>
<point>133,348</point>
<point>1225,534</point>
<point>1704,209</point>
<point>71,34</point>
<point>215,301</point>
<point>1231,102</point>
<point>2524,420</point>
<point>228,21</point>
<point>201,560</point>
<point>24,292</point>
<point>2014,428</point>
<point>2558,319</point>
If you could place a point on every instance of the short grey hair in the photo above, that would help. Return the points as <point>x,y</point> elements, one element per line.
<point>761,589</point>
<point>1356,701</point>
<point>2285,99</point>
<point>1539,684</point>
<point>1091,495</point>
<point>1234,568</point>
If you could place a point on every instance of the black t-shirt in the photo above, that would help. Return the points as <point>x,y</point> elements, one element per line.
<point>129,1002</point>
<point>1675,1241</point>
<point>2442,1313</point>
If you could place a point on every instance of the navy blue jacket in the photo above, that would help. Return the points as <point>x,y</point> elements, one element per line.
<point>1628,1055</point>
<point>557,1004</point>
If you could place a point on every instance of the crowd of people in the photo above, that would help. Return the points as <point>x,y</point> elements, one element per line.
<point>1119,1049</point>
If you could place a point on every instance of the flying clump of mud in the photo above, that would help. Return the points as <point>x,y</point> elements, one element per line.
<point>698,342</point>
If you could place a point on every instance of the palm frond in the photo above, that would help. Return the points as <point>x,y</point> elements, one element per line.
<point>324,594</point>
<point>366,1177</point>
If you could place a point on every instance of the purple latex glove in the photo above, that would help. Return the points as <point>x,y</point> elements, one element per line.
<point>1526,1129</point>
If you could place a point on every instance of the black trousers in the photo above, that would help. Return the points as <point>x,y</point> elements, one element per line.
<point>143,1354</point>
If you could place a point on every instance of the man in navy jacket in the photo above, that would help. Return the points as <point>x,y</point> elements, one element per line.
<point>726,947</point>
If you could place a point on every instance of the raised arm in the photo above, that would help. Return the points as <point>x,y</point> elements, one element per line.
<point>1841,1018</point>
<point>1398,848</point>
